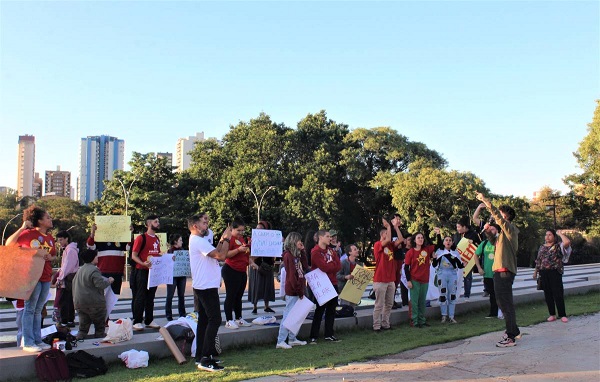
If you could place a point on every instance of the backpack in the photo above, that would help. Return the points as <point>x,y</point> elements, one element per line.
<point>82,364</point>
<point>183,337</point>
<point>51,365</point>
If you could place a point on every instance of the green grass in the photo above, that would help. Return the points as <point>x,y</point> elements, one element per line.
<point>356,345</point>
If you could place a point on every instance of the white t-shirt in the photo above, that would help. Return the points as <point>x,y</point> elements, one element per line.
<point>206,273</point>
<point>210,236</point>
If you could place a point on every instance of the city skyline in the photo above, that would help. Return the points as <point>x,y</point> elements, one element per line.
<point>502,89</point>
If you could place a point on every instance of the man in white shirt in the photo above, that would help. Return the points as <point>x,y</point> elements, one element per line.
<point>206,280</point>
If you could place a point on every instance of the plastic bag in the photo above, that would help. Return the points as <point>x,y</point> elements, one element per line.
<point>134,358</point>
<point>263,320</point>
<point>119,331</point>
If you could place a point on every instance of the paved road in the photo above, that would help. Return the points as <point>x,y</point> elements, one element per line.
<point>547,351</point>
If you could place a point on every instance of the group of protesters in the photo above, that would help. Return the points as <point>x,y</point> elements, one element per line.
<point>400,262</point>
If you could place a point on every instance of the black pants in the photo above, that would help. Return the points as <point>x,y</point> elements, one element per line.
<point>553,291</point>
<point>468,282</point>
<point>92,315</point>
<point>143,304</point>
<point>179,283</point>
<point>116,285</point>
<point>503,282</point>
<point>329,310</point>
<point>235,284</point>
<point>488,284</point>
<point>67,310</point>
<point>404,294</point>
<point>209,320</point>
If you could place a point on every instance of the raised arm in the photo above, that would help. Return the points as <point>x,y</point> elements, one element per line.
<point>476,219</point>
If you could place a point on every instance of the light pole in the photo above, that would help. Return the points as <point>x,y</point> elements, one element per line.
<point>7,223</point>
<point>126,193</point>
<point>259,203</point>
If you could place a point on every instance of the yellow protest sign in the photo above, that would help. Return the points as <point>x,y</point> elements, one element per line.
<point>466,249</point>
<point>21,271</point>
<point>112,228</point>
<point>356,286</point>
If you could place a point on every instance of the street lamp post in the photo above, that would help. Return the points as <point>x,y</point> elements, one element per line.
<point>127,192</point>
<point>4,230</point>
<point>259,203</point>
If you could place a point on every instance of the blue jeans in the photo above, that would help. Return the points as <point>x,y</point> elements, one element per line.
<point>468,281</point>
<point>179,283</point>
<point>447,283</point>
<point>19,326</point>
<point>284,333</point>
<point>32,316</point>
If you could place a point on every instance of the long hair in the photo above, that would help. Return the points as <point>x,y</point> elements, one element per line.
<point>290,243</point>
<point>34,214</point>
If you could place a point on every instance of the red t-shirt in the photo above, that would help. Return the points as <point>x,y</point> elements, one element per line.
<point>419,262</point>
<point>32,238</point>
<point>151,248</point>
<point>240,261</point>
<point>326,260</point>
<point>385,266</point>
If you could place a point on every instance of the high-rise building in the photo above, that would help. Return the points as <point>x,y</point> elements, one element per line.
<point>58,183</point>
<point>38,185</point>
<point>100,156</point>
<point>184,146</point>
<point>26,169</point>
<point>167,156</point>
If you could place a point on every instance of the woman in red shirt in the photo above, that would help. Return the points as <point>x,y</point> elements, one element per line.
<point>34,233</point>
<point>235,277</point>
<point>416,268</point>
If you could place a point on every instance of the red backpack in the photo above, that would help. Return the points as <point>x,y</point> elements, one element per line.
<point>51,365</point>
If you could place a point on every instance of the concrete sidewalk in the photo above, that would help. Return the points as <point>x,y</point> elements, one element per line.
<point>548,351</point>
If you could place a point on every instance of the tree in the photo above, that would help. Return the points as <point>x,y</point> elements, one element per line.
<point>67,214</point>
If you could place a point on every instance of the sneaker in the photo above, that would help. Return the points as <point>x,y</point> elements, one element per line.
<point>453,321</point>
<point>32,349</point>
<point>81,336</point>
<point>564,319</point>
<point>254,311</point>
<point>501,317</point>
<point>297,343</point>
<point>517,337</point>
<point>490,316</point>
<point>71,324</point>
<point>312,341</point>
<point>242,322</point>
<point>138,326</point>
<point>506,343</point>
<point>231,325</point>
<point>443,319</point>
<point>332,339</point>
<point>269,310</point>
<point>551,318</point>
<point>211,358</point>
<point>486,294</point>
<point>210,365</point>
<point>43,346</point>
<point>153,325</point>
<point>377,330</point>
<point>283,345</point>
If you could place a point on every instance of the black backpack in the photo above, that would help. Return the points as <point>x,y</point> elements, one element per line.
<point>51,365</point>
<point>183,337</point>
<point>84,365</point>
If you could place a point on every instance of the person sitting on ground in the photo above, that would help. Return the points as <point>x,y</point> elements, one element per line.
<point>88,295</point>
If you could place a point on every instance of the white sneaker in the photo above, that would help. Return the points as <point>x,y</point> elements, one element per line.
<point>138,326</point>
<point>297,343</point>
<point>32,349</point>
<point>282,345</point>
<point>43,346</point>
<point>153,325</point>
<point>242,322</point>
<point>231,325</point>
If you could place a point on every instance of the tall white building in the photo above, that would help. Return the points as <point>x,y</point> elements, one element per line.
<point>26,163</point>
<point>58,183</point>
<point>184,146</point>
<point>100,156</point>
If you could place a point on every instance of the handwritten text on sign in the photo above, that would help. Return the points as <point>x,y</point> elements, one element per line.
<point>161,271</point>
<point>266,243</point>
<point>181,265</point>
<point>321,286</point>
<point>112,228</point>
<point>356,286</point>
<point>466,249</point>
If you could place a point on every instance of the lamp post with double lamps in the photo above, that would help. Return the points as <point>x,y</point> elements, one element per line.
<point>259,203</point>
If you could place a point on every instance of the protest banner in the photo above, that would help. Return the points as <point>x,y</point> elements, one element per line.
<point>355,287</point>
<point>20,271</point>
<point>112,228</point>
<point>266,243</point>
<point>181,264</point>
<point>297,315</point>
<point>161,271</point>
<point>321,286</point>
<point>466,249</point>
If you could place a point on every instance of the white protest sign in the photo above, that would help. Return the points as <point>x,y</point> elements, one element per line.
<point>297,315</point>
<point>111,300</point>
<point>181,265</point>
<point>266,243</point>
<point>321,286</point>
<point>161,271</point>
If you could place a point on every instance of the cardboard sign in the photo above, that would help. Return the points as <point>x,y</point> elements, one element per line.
<point>321,286</point>
<point>181,265</point>
<point>266,243</point>
<point>20,271</point>
<point>296,316</point>
<point>112,228</point>
<point>466,249</point>
<point>161,271</point>
<point>355,288</point>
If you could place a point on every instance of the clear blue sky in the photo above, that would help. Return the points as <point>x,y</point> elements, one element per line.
<point>502,89</point>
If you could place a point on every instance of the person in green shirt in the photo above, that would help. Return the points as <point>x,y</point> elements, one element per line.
<point>484,261</point>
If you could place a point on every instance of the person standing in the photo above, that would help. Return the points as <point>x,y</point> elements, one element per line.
<point>463,229</point>
<point>325,259</point>
<point>34,233</point>
<point>64,282</point>
<point>417,264</point>
<point>347,267</point>
<point>446,261</point>
<point>206,280</point>
<point>505,267</point>
<point>145,246</point>
<point>485,255</point>
<point>179,282</point>
<point>262,282</point>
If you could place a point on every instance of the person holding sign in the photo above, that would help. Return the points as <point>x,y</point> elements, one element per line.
<point>295,263</point>
<point>178,283</point>
<point>463,229</point>
<point>235,276</point>
<point>325,259</point>
<point>416,267</point>
<point>385,274</point>
<point>447,261</point>
<point>34,233</point>
<point>347,266</point>
<point>144,246</point>
<point>206,280</point>
<point>262,282</point>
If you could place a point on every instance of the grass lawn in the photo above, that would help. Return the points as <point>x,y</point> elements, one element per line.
<point>356,345</point>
